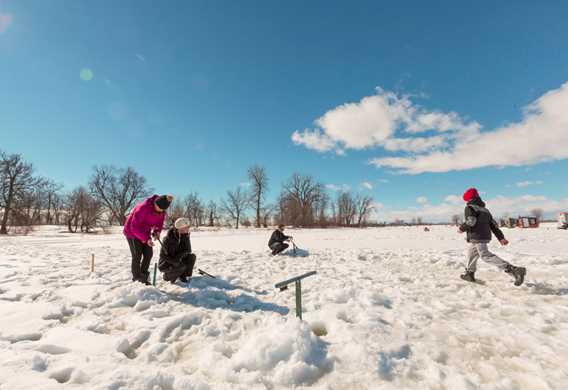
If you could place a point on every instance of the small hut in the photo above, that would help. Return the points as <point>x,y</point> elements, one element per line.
<point>563,221</point>
<point>527,222</point>
<point>508,222</point>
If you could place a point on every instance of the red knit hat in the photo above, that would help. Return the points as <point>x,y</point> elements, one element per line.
<point>470,194</point>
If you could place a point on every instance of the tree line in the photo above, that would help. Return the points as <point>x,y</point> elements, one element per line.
<point>27,199</point>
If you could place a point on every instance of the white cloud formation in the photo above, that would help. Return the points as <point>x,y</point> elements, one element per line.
<point>528,183</point>
<point>377,121</point>
<point>367,185</point>
<point>541,136</point>
<point>434,141</point>
<point>499,206</point>
<point>422,200</point>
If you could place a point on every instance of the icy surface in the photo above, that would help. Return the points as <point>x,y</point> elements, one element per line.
<point>386,310</point>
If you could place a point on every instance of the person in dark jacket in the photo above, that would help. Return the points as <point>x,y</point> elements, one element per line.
<point>277,240</point>
<point>176,259</point>
<point>478,226</point>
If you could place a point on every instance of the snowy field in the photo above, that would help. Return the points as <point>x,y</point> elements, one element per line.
<point>396,314</point>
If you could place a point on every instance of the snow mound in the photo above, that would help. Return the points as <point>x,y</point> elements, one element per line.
<point>285,352</point>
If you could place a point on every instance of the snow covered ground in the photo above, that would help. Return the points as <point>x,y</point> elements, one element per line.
<point>395,313</point>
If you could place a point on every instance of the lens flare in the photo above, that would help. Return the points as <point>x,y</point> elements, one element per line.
<point>86,74</point>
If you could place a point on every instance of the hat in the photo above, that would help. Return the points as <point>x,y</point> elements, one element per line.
<point>164,201</point>
<point>470,194</point>
<point>181,223</point>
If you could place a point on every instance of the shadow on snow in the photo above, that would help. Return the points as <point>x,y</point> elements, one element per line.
<point>212,294</point>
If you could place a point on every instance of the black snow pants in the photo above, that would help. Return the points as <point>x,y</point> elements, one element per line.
<point>182,269</point>
<point>278,247</point>
<point>141,256</point>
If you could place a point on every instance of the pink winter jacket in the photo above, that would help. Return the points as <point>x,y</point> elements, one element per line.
<point>144,220</point>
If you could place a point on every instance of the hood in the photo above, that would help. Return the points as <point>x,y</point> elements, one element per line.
<point>477,201</point>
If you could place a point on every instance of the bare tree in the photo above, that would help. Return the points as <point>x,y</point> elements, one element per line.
<point>363,206</point>
<point>16,179</point>
<point>538,213</point>
<point>52,193</point>
<point>259,186</point>
<point>298,198</point>
<point>456,219</point>
<point>212,216</point>
<point>84,211</point>
<point>194,209</point>
<point>235,204</point>
<point>176,210</point>
<point>118,189</point>
<point>346,208</point>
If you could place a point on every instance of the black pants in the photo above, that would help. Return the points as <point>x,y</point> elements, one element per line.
<point>278,247</point>
<point>183,268</point>
<point>141,256</point>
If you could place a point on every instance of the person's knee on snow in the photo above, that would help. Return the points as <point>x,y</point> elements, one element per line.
<point>176,259</point>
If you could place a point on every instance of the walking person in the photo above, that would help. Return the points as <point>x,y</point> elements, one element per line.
<point>144,224</point>
<point>277,240</point>
<point>176,259</point>
<point>479,224</point>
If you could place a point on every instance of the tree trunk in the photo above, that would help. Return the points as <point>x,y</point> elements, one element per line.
<point>7,209</point>
<point>258,212</point>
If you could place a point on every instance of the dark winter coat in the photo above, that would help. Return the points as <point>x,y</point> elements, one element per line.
<point>174,247</point>
<point>479,223</point>
<point>277,236</point>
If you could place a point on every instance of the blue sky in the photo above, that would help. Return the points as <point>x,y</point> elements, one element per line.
<point>192,93</point>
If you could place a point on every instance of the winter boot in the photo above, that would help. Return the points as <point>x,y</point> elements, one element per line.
<point>468,276</point>
<point>517,272</point>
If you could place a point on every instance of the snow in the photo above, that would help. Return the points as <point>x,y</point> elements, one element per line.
<point>386,310</point>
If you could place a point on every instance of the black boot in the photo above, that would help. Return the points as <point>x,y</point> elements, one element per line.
<point>517,272</point>
<point>468,276</point>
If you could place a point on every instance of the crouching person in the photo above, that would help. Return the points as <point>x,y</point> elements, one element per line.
<point>176,259</point>
<point>277,240</point>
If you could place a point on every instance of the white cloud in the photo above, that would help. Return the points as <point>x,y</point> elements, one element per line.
<point>383,181</point>
<point>422,200</point>
<point>377,120</point>
<point>335,187</point>
<point>527,183</point>
<point>453,199</point>
<point>5,22</point>
<point>393,122</point>
<point>542,135</point>
<point>499,206</point>
<point>367,185</point>
<point>314,140</point>
<point>418,144</point>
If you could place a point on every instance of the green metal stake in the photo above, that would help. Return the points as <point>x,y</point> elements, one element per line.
<point>155,271</point>
<point>299,299</point>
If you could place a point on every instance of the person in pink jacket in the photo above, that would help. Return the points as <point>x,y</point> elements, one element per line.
<point>144,224</point>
